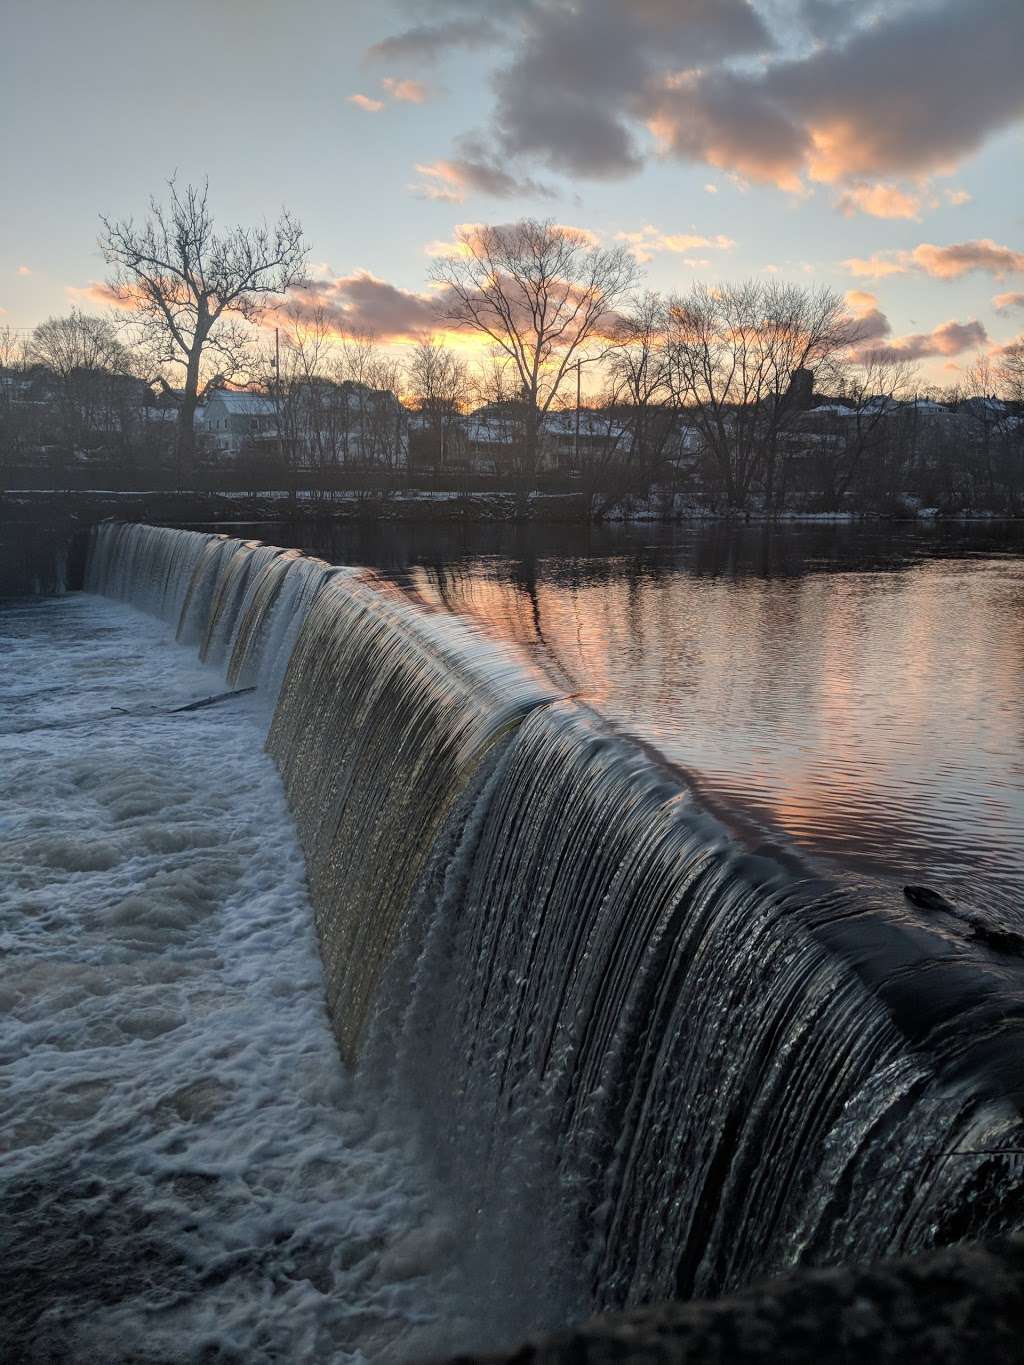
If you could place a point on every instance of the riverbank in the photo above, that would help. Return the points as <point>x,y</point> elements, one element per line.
<point>42,531</point>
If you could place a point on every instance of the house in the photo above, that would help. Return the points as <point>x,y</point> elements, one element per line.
<point>232,418</point>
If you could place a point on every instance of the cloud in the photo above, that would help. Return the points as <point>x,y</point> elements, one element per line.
<point>405,92</point>
<point>441,181</point>
<point>568,95</point>
<point>99,292</point>
<point>466,233</point>
<point>878,266</point>
<point>371,106</point>
<point>871,324</point>
<point>911,93</point>
<point>428,42</point>
<point>361,303</point>
<point>949,262</point>
<point>24,270</point>
<point>958,197</point>
<point>1002,303</point>
<point>650,240</point>
<point>871,327</point>
<point>451,180</point>
<point>941,262</point>
<point>880,201</point>
<point>907,90</point>
<point>948,339</point>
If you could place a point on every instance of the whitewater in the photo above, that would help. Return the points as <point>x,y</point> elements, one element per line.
<point>189,1172</point>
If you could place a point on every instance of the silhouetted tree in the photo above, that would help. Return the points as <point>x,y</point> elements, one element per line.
<point>541,293</point>
<point>194,288</point>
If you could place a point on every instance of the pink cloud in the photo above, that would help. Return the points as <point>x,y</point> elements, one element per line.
<point>24,270</point>
<point>949,262</point>
<point>364,102</point>
<point>450,181</point>
<point>405,92</point>
<point>948,339</point>
<point>941,262</point>
<point>1002,303</point>
<point>362,303</point>
<point>870,323</point>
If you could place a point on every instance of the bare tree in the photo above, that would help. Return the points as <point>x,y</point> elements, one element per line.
<point>737,355</point>
<point>541,293</point>
<point>91,373</point>
<point>16,425</point>
<point>855,436</point>
<point>297,375</point>
<point>639,381</point>
<point>194,289</point>
<point>1010,372</point>
<point>439,387</point>
<point>78,341</point>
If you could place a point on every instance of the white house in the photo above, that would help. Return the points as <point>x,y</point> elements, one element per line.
<point>230,419</point>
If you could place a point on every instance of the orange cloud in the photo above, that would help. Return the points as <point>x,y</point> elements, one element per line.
<point>364,102</point>
<point>1002,303</point>
<point>650,240</point>
<point>97,291</point>
<point>24,270</point>
<point>881,201</point>
<point>876,267</point>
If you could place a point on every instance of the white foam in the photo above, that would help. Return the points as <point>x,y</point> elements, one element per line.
<point>189,1168</point>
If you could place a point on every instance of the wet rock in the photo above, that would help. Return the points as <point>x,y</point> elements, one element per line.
<point>961,1306</point>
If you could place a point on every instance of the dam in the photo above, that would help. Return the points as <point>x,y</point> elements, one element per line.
<point>602,1044</point>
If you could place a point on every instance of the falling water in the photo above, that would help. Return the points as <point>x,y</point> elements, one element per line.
<point>651,1060</point>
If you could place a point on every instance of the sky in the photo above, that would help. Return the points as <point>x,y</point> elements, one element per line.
<point>873,148</point>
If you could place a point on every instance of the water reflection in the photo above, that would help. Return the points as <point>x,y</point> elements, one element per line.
<point>855,691</point>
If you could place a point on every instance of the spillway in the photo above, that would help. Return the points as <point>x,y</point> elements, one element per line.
<point>651,1059</point>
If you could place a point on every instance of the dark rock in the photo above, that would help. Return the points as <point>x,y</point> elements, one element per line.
<point>960,1306</point>
<point>927,899</point>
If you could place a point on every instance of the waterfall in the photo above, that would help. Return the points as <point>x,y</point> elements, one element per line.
<point>651,1060</point>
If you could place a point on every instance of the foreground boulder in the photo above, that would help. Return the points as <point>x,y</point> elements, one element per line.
<point>961,1306</point>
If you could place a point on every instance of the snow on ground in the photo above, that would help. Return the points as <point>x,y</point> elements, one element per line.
<point>189,1174</point>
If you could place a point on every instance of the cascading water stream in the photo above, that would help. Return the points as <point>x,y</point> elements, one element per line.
<point>652,1062</point>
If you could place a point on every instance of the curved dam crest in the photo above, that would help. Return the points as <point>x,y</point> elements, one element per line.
<point>652,1062</point>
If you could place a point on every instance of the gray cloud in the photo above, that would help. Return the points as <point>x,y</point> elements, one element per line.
<point>567,96</point>
<point>364,304</point>
<point>914,91</point>
<point>428,42</point>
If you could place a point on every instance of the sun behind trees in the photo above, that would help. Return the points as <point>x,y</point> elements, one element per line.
<point>542,293</point>
<point>193,288</point>
<point>758,395</point>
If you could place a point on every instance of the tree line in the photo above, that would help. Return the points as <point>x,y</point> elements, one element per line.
<point>721,387</point>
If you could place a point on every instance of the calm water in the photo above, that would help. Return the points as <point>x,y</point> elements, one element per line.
<point>853,692</point>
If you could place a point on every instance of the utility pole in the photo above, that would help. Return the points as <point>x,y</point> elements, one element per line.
<point>579,367</point>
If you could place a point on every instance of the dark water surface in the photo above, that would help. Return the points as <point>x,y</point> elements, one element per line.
<point>854,692</point>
